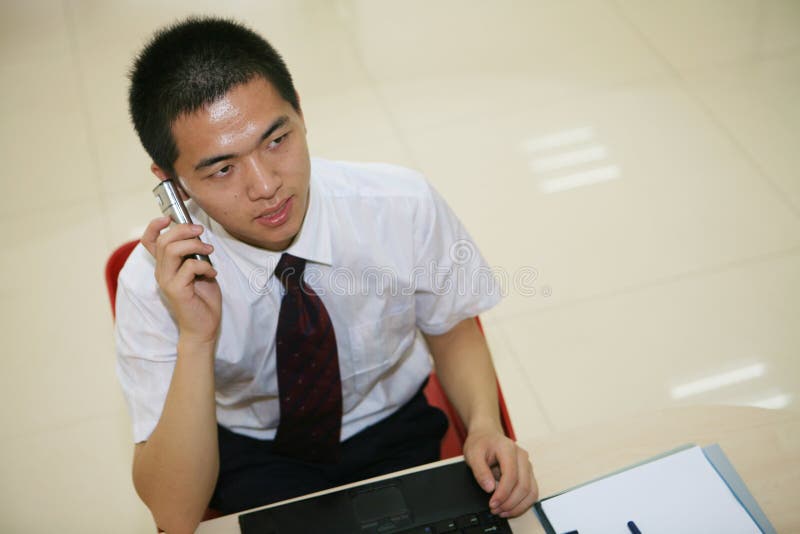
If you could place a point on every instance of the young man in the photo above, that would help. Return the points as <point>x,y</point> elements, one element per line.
<point>293,363</point>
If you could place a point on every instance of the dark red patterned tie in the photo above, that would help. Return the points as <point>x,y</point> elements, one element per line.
<point>309,385</point>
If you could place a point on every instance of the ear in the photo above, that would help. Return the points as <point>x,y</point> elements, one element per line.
<point>162,175</point>
<point>159,172</point>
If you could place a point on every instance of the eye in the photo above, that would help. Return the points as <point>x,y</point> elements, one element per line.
<point>277,141</point>
<point>224,171</point>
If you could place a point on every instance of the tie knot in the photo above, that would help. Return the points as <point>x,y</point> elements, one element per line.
<point>290,270</point>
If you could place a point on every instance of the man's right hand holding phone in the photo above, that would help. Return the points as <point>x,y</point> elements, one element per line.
<point>189,285</point>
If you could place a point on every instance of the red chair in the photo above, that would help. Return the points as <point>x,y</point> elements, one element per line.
<point>453,440</point>
<point>113,266</point>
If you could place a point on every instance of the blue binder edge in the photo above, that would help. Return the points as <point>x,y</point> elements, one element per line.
<point>718,460</point>
<point>542,517</point>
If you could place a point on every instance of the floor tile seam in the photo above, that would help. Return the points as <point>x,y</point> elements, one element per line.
<point>63,425</point>
<point>378,94</point>
<point>736,69</point>
<point>521,370</point>
<point>758,55</point>
<point>50,207</point>
<point>779,55</point>
<point>128,189</point>
<point>618,416</point>
<point>91,137</point>
<point>782,196</point>
<point>510,111</point>
<point>664,281</point>
<point>720,66</point>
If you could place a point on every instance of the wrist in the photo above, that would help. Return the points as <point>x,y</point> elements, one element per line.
<point>190,343</point>
<point>483,424</point>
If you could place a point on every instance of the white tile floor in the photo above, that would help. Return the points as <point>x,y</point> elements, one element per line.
<point>641,156</point>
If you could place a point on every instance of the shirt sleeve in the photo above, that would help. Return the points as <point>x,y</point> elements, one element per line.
<point>452,279</point>
<point>146,343</point>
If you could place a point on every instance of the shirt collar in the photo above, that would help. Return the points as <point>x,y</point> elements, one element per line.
<point>312,243</point>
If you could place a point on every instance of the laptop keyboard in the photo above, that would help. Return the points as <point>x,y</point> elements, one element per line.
<point>478,523</point>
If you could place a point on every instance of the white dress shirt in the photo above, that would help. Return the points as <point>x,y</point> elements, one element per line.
<point>385,254</point>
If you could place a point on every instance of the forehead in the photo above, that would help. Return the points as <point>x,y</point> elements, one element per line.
<point>242,112</point>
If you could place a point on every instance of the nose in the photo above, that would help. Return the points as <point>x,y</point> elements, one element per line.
<point>262,181</point>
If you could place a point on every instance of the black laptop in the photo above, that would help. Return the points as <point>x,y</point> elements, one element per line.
<point>443,499</point>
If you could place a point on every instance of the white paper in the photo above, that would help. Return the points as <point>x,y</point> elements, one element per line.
<point>681,493</point>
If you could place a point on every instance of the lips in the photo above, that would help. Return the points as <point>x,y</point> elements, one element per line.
<point>276,216</point>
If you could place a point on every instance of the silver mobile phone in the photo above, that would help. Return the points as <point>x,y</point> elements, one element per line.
<point>170,202</point>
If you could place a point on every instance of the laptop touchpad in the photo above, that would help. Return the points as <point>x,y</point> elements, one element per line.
<point>381,508</point>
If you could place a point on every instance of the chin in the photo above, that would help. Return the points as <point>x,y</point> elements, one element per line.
<point>281,242</point>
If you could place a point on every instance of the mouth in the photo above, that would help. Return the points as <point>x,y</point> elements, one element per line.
<point>276,216</point>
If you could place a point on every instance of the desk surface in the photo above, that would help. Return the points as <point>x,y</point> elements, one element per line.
<point>763,446</point>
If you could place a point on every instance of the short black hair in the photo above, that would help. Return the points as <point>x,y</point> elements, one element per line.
<point>190,64</point>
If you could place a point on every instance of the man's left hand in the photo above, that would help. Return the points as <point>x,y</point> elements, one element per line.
<point>503,469</point>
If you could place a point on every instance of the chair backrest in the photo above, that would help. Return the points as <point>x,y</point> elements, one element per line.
<point>113,266</point>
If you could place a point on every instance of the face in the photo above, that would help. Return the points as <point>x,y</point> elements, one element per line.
<point>244,160</point>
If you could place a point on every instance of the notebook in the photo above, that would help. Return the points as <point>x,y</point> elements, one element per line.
<point>444,498</point>
<point>691,490</point>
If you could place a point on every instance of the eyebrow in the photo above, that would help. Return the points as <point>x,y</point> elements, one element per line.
<point>207,162</point>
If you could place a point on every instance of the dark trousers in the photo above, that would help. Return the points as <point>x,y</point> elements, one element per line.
<point>251,475</point>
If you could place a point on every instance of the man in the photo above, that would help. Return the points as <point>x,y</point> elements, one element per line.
<point>293,363</point>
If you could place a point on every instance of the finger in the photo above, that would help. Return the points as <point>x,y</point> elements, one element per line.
<point>523,506</point>
<point>190,270</point>
<point>507,458</point>
<point>178,232</point>
<point>174,245</point>
<point>152,232</point>
<point>522,496</point>
<point>476,460</point>
<point>179,250</point>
